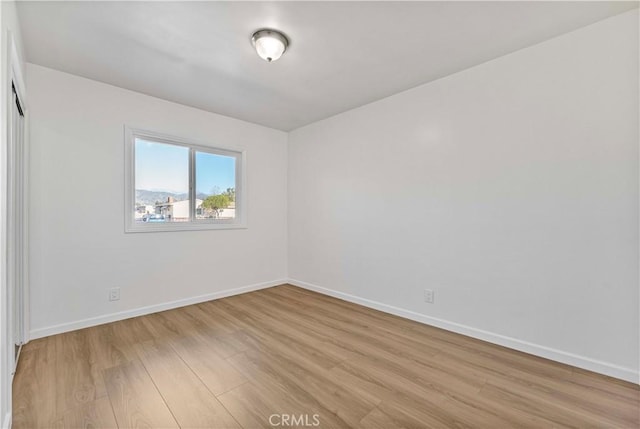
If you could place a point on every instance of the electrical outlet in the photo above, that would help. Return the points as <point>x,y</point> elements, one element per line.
<point>114,294</point>
<point>428,296</point>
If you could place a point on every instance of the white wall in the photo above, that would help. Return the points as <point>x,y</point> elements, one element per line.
<point>10,38</point>
<point>510,189</point>
<point>78,245</point>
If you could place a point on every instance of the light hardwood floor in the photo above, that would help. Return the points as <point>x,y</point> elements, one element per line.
<point>241,361</point>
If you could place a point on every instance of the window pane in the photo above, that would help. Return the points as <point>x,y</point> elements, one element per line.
<point>215,186</point>
<point>161,182</point>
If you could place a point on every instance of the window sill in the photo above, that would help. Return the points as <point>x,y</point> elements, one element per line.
<point>193,226</point>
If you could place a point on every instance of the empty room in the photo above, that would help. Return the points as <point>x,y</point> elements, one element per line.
<point>319,214</point>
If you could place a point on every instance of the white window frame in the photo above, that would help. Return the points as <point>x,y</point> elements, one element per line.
<point>240,220</point>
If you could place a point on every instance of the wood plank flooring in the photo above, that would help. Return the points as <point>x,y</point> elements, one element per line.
<point>287,357</point>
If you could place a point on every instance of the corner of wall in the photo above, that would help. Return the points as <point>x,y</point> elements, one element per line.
<point>288,206</point>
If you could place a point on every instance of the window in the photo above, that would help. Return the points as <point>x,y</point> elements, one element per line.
<point>173,184</point>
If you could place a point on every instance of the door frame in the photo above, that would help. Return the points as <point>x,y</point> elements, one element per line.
<point>18,166</point>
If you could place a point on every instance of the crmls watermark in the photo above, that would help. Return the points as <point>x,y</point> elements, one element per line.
<point>284,420</point>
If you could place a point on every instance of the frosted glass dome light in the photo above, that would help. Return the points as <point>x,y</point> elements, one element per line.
<point>269,44</point>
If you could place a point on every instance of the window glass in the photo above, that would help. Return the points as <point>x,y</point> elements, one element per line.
<point>215,186</point>
<point>161,182</point>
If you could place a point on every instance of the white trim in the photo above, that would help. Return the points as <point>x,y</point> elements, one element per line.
<point>16,77</point>
<point>141,311</point>
<point>6,422</point>
<point>240,155</point>
<point>26,193</point>
<point>601,367</point>
<point>183,226</point>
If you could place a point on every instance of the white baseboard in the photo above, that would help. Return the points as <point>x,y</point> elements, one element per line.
<point>113,317</point>
<point>512,343</point>
<point>6,422</point>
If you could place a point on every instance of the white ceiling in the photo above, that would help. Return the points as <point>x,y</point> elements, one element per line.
<point>342,54</point>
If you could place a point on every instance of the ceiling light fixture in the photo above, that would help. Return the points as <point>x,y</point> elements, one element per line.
<point>269,44</point>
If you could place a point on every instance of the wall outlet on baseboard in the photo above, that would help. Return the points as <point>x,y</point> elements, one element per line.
<point>114,294</point>
<point>428,296</point>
